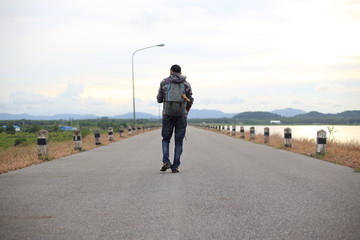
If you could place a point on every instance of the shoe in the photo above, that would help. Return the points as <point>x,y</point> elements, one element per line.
<point>165,167</point>
<point>175,170</point>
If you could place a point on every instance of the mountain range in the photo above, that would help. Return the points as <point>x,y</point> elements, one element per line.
<point>194,114</point>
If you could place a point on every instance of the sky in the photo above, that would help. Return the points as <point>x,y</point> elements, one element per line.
<point>75,56</point>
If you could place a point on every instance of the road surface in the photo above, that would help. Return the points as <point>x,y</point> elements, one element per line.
<point>227,189</point>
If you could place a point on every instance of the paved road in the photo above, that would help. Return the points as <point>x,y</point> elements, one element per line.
<point>227,189</point>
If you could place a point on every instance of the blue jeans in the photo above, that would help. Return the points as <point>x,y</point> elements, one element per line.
<point>168,125</point>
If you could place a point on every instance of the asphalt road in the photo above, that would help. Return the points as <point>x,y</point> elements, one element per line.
<point>227,189</point>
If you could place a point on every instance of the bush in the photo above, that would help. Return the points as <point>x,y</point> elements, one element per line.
<point>19,141</point>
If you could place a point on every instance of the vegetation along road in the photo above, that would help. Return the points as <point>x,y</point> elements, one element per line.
<point>227,189</point>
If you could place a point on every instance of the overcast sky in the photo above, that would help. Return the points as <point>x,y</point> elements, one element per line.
<point>74,56</point>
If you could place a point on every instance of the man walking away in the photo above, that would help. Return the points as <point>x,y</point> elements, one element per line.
<point>176,95</point>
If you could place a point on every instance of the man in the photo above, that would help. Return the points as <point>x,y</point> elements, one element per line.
<point>175,113</point>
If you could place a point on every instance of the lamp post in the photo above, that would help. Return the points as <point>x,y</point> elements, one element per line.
<point>133,84</point>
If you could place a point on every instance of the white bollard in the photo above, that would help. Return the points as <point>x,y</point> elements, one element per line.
<point>42,143</point>
<point>266,135</point>
<point>252,133</point>
<point>77,140</point>
<point>97,137</point>
<point>287,137</point>
<point>121,130</point>
<point>242,132</point>
<point>321,142</point>
<point>111,134</point>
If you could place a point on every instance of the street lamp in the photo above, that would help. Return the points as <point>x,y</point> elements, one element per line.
<point>133,84</point>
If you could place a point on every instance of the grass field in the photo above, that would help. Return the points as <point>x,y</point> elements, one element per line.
<point>60,145</point>
<point>347,154</point>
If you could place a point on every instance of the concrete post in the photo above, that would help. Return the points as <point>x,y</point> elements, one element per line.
<point>97,136</point>
<point>287,137</point>
<point>252,133</point>
<point>129,130</point>
<point>321,142</point>
<point>111,134</point>
<point>121,130</point>
<point>242,132</point>
<point>266,135</point>
<point>234,130</point>
<point>42,143</point>
<point>134,130</point>
<point>77,140</point>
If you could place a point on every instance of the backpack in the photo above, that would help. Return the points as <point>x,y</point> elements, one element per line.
<point>174,103</point>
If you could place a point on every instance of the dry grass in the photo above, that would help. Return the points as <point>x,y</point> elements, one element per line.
<point>347,154</point>
<point>23,156</point>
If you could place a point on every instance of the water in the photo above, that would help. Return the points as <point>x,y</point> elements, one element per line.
<point>340,133</point>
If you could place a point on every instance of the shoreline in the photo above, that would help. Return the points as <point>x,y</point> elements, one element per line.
<point>342,153</point>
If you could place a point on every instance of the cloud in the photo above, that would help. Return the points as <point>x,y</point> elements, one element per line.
<point>330,87</point>
<point>68,101</point>
<point>72,93</point>
<point>210,101</point>
<point>297,102</point>
<point>232,52</point>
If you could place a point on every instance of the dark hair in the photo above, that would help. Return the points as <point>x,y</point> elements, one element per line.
<point>176,68</point>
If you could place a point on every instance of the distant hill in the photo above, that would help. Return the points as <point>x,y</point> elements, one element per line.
<point>347,114</point>
<point>350,114</point>
<point>313,114</point>
<point>195,113</point>
<point>288,112</point>
<point>257,115</point>
<point>64,116</point>
<point>347,117</point>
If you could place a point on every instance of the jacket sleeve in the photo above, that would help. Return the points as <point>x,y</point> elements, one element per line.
<point>160,96</point>
<point>188,92</point>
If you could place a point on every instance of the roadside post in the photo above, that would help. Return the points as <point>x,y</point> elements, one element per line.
<point>77,140</point>
<point>111,134</point>
<point>97,136</point>
<point>121,130</point>
<point>42,143</point>
<point>287,137</point>
<point>266,135</point>
<point>242,132</point>
<point>234,130</point>
<point>321,142</point>
<point>252,133</point>
<point>134,130</point>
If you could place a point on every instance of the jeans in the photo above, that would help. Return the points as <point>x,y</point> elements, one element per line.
<point>168,125</point>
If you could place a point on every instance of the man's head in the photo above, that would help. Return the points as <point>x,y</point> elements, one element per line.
<point>175,68</point>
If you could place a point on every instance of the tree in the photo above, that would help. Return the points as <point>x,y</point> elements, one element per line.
<point>34,128</point>
<point>10,129</point>
<point>55,128</point>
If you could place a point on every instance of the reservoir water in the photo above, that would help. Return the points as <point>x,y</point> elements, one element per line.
<point>339,133</point>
